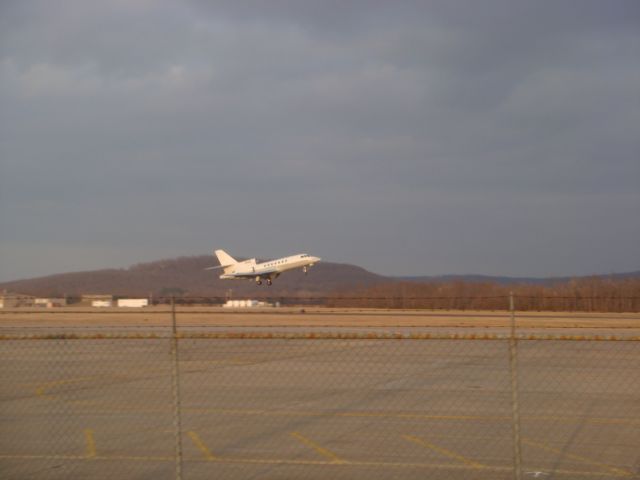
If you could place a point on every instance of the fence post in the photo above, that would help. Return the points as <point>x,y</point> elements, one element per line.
<point>515,405</point>
<point>175,387</point>
<point>174,328</point>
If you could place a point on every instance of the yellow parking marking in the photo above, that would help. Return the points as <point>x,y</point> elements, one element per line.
<point>594,420</point>
<point>199,366</point>
<point>579,458</point>
<point>43,457</point>
<point>42,389</point>
<point>284,461</point>
<point>91,443</point>
<point>197,441</point>
<point>363,414</point>
<point>444,451</point>
<point>413,416</point>
<point>322,451</point>
<point>139,458</point>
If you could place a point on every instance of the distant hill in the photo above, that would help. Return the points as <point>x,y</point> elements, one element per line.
<point>187,276</point>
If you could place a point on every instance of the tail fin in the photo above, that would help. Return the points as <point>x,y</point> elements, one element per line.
<point>225,259</point>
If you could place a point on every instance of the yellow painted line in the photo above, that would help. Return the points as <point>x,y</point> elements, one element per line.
<point>310,413</point>
<point>444,451</point>
<point>91,443</point>
<point>579,458</point>
<point>197,441</point>
<point>284,461</point>
<point>138,458</point>
<point>417,416</point>
<point>594,420</point>
<point>420,416</point>
<point>355,414</point>
<point>43,457</point>
<point>197,366</point>
<point>42,389</point>
<point>322,451</point>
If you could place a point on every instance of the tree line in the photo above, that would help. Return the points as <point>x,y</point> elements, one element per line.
<point>591,294</point>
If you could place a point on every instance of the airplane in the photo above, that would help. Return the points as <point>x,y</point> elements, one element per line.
<point>269,271</point>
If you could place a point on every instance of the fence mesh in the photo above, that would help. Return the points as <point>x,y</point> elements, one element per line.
<point>89,401</point>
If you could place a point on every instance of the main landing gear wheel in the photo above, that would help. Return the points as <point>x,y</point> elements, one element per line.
<point>258,281</point>
<point>269,282</point>
<point>305,270</point>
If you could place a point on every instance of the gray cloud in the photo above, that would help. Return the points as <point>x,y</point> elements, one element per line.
<point>408,137</point>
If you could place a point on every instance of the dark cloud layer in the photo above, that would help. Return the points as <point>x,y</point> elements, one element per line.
<point>495,137</point>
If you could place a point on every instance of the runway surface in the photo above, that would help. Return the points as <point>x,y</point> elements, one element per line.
<point>315,408</point>
<point>316,319</point>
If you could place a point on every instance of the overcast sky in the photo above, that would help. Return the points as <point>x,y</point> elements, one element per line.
<point>408,137</point>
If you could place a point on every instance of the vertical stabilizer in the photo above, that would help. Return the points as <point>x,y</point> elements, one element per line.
<point>225,259</point>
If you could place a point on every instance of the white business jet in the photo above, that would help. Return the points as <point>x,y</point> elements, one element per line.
<point>270,270</point>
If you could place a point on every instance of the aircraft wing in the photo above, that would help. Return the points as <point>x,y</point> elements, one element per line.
<point>268,272</point>
<point>250,274</point>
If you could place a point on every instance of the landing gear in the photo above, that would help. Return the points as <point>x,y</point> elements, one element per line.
<point>258,281</point>
<point>305,270</point>
<point>269,282</point>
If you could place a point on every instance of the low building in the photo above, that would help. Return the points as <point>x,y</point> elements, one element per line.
<point>101,303</point>
<point>50,302</point>
<point>15,300</point>
<point>133,302</point>
<point>97,300</point>
<point>245,304</point>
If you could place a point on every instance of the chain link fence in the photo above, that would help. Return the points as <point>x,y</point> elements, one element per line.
<point>200,401</point>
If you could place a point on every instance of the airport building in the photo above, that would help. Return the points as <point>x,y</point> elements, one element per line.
<point>99,301</point>
<point>133,302</point>
<point>15,300</point>
<point>245,304</point>
<point>102,303</point>
<point>50,302</point>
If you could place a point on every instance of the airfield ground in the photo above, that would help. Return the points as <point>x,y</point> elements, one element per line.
<point>341,408</point>
<point>314,318</point>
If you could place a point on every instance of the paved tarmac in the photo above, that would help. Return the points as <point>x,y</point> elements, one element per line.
<point>330,408</point>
